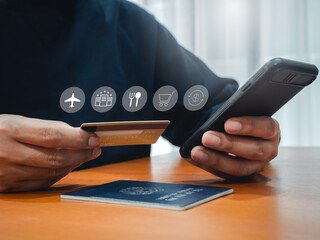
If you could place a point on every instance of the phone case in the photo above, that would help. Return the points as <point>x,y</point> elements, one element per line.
<point>278,81</point>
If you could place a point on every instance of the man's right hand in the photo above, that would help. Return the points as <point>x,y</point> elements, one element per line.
<point>36,153</point>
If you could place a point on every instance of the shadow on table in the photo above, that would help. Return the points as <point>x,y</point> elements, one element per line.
<point>245,188</point>
<point>256,178</point>
<point>51,194</point>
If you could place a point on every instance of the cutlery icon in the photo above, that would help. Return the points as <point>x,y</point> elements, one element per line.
<point>131,97</point>
<point>134,98</point>
<point>138,95</point>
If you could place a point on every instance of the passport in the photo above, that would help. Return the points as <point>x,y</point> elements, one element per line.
<point>149,194</point>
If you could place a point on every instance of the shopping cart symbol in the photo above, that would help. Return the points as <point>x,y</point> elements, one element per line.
<point>164,99</point>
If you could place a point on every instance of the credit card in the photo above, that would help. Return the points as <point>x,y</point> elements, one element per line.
<point>149,194</point>
<point>127,132</point>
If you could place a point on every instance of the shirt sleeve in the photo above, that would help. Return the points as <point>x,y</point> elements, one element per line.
<point>181,69</point>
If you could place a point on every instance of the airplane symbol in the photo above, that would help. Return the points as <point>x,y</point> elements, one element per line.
<point>72,99</point>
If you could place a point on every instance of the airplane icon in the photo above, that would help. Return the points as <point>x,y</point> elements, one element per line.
<point>72,99</point>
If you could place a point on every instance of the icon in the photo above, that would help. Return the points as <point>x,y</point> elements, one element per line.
<point>134,99</point>
<point>72,100</point>
<point>133,95</point>
<point>195,98</point>
<point>165,98</point>
<point>103,99</point>
<point>138,95</point>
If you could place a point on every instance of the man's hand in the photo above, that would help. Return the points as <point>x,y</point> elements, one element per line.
<point>35,153</point>
<point>250,143</point>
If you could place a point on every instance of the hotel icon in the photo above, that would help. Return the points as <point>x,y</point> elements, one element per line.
<point>103,99</point>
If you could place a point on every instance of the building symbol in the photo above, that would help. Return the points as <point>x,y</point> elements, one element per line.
<point>104,99</point>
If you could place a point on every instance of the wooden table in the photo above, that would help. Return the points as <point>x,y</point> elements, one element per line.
<point>281,203</point>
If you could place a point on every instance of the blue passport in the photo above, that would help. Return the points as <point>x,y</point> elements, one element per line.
<point>149,194</point>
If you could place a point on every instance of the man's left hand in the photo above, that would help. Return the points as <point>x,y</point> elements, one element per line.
<point>247,146</point>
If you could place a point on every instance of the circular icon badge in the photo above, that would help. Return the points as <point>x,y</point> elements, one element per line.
<point>134,99</point>
<point>195,98</point>
<point>103,99</point>
<point>72,99</point>
<point>165,98</point>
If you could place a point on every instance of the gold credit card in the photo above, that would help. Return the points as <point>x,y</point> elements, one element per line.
<point>128,132</point>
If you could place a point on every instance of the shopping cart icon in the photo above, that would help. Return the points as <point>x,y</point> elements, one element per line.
<point>165,98</point>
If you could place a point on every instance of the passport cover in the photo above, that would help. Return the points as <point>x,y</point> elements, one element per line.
<point>149,194</point>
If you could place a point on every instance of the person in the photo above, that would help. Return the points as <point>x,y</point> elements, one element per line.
<point>48,46</point>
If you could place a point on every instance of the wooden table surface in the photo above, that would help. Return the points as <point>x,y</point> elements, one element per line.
<point>283,202</point>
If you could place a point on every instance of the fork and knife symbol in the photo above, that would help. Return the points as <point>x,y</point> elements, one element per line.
<point>133,95</point>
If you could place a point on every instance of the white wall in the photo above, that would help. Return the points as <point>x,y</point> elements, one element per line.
<point>235,37</point>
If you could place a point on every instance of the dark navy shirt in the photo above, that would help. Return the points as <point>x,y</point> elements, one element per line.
<point>49,46</point>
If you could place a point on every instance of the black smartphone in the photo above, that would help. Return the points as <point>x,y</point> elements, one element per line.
<point>263,94</point>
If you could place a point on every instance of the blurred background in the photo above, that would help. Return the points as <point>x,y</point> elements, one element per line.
<point>236,37</point>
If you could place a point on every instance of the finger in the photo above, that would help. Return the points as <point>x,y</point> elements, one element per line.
<point>261,127</point>
<point>30,185</point>
<point>248,148</point>
<point>51,134</point>
<point>215,161</point>
<point>35,156</point>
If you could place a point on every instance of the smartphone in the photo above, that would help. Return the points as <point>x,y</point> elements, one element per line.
<point>263,94</point>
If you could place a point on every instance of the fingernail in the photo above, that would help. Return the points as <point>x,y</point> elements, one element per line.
<point>96,152</point>
<point>199,155</point>
<point>234,126</point>
<point>93,142</point>
<point>214,140</point>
